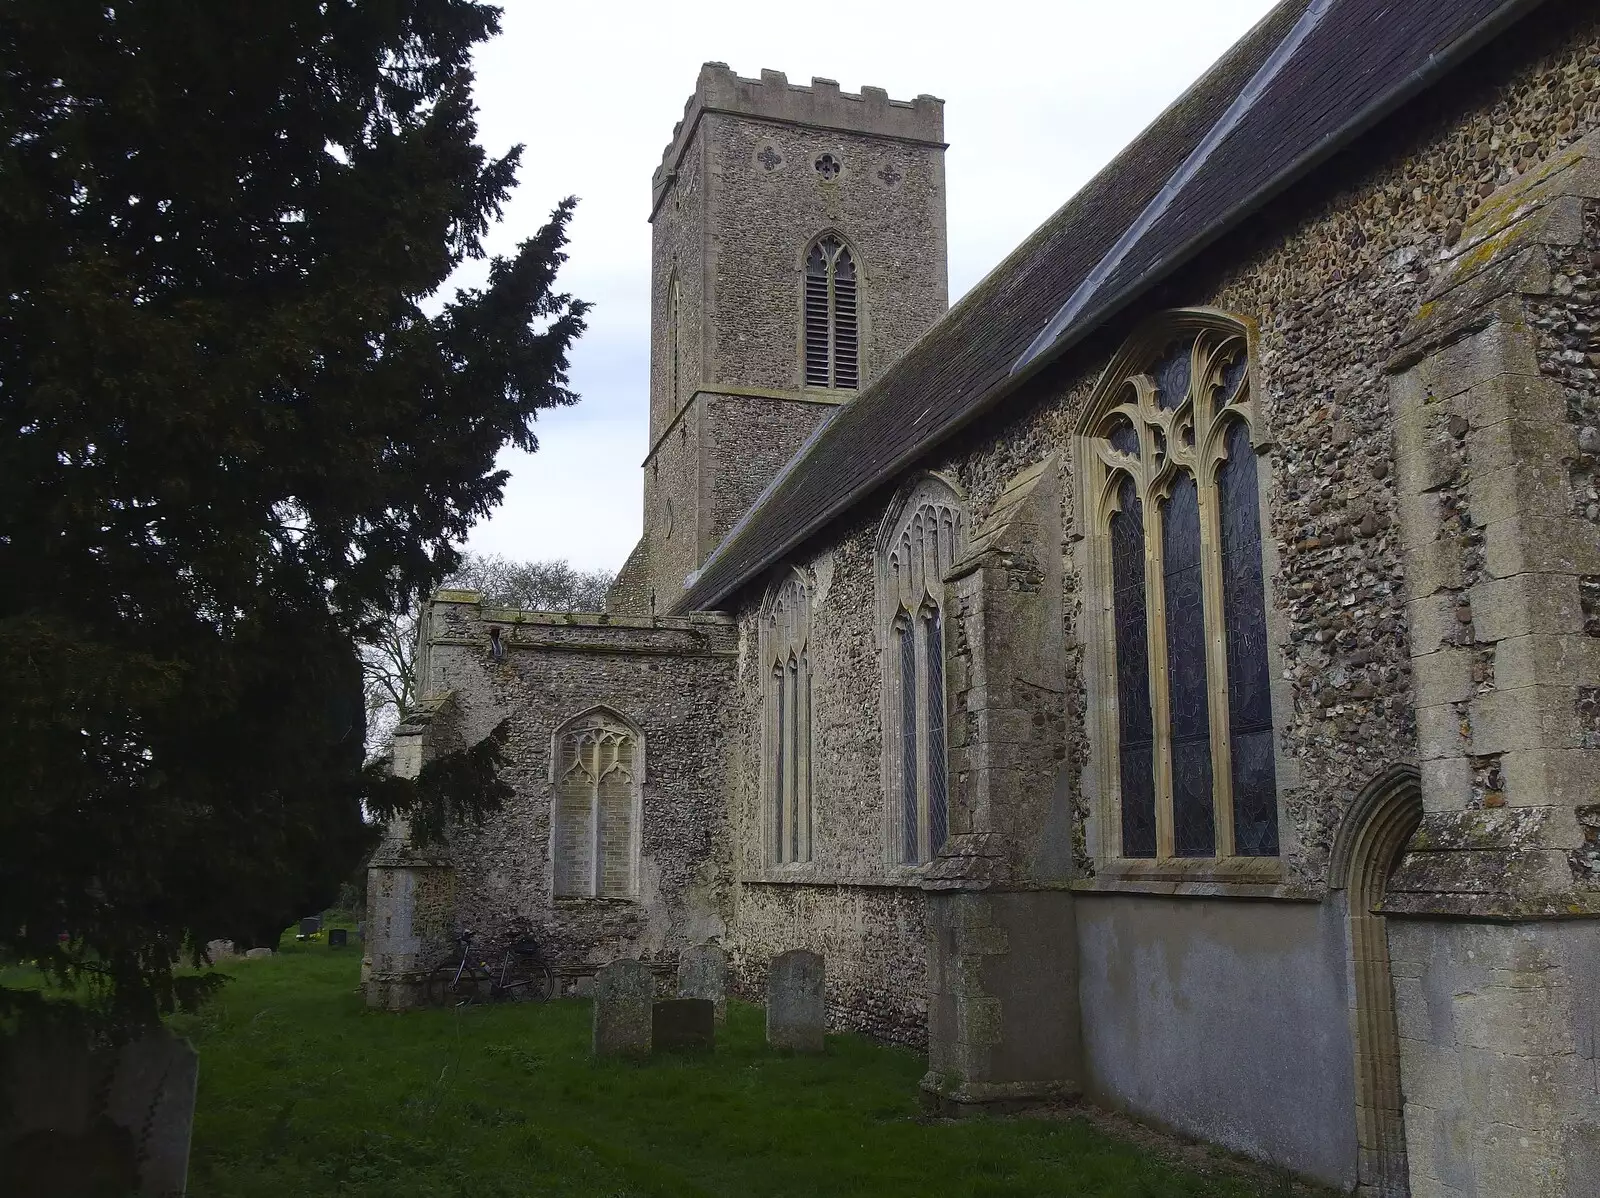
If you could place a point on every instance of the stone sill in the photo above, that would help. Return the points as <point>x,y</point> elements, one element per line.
<point>808,877</point>
<point>1197,877</point>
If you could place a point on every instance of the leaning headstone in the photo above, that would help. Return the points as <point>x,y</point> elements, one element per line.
<point>684,1024</point>
<point>96,1120</point>
<point>220,950</point>
<point>256,954</point>
<point>623,994</point>
<point>795,1008</point>
<point>703,973</point>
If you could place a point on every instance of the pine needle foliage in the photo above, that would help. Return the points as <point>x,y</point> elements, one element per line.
<point>238,431</point>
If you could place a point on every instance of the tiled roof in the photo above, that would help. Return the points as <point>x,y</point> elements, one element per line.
<point>1307,80</point>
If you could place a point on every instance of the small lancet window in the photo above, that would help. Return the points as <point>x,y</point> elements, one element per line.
<point>1170,451</point>
<point>832,339</point>
<point>787,736</point>
<point>675,341</point>
<point>919,545</point>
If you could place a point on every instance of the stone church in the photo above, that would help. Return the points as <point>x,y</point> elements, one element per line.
<point>1171,675</point>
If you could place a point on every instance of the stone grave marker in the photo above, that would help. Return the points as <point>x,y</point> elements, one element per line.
<point>256,954</point>
<point>703,973</point>
<point>338,937</point>
<point>684,1024</point>
<point>85,1119</point>
<point>624,992</point>
<point>795,1009</point>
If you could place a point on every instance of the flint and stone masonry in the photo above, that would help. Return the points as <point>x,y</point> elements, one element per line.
<point>1398,995</point>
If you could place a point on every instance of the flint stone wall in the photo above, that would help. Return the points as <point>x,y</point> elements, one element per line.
<point>669,678</point>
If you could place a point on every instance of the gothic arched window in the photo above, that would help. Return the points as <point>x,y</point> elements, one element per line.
<point>597,766</point>
<point>1168,461</point>
<point>832,339</point>
<point>920,542</point>
<point>786,670</point>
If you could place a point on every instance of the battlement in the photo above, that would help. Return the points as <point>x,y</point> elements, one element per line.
<point>821,106</point>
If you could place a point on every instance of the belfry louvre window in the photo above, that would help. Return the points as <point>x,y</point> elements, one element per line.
<point>832,336</point>
<point>596,767</point>
<point>785,624</point>
<point>920,542</point>
<point>1168,455</point>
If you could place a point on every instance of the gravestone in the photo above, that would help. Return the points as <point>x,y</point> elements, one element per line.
<point>257,954</point>
<point>795,1009</point>
<point>85,1119</point>
<point>220,950</point>
<point>684,1024</point>
<point>310,926</point>
<point>338,937</point>
<point>623,994</point>
<point>703,973</point>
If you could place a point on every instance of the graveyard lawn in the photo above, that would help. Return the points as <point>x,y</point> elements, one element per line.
<point>304,1093</point>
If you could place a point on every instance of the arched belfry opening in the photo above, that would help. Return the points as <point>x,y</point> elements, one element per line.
<point>1371,842</point>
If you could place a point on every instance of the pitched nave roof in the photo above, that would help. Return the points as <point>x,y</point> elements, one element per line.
<point>1306,81</point>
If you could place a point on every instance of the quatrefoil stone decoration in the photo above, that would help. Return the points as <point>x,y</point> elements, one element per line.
<point>889,175</point>
<point>828,167</point>
<point>769,158</point>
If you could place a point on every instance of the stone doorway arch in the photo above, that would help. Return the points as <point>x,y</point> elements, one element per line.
<point>1370,843</point>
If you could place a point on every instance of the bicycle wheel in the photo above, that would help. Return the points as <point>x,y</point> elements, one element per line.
<point>524,978</point>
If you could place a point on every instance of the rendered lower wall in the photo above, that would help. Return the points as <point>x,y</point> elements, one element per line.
<point>1224,1020</point>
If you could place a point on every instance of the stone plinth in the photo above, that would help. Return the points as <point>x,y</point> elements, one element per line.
<point>796,1013</point>
<point>703,973</point>
<point>684,1025</point>
<point>624,993</point>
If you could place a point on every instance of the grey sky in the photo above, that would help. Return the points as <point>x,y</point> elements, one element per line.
<point>1037,98</point>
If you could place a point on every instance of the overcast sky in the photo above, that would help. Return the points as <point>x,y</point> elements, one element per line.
<point>1037,98</point>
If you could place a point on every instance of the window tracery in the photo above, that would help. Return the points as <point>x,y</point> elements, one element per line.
<point>1168,459</point>
<point>922,540</point>
<point>596,766</point>
<point>786,668</point>
<point>832,336</point>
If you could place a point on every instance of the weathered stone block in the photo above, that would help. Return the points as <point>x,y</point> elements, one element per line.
<point>624,994</point>
<point>1433,622</point>
<point>1551,777</point>
<point>84,1120</point>
<point>1503,608</point>
<point>1432,566</point>
<point>1531,717</point>
<point>1443,676</point>
<point>1538,488</point>
<point>1521,440</point>
<point>1520,398</point>
<point>703,973</point>
<point>1446,784</point>
<point>1540,544</point>
<point>684,1025</point>
<point>1439,732</point>
<point>1569,660</point>
<point>796,1011</point>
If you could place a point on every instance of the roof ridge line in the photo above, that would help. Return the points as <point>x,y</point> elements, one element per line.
<point>1162,200</point>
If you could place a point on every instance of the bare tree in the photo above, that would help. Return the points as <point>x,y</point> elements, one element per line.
<point>388,661</point>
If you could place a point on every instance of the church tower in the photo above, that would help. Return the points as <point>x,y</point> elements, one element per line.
<point>798,248</point>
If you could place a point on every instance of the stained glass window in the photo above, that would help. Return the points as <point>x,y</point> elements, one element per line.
<point>1255,788</point>
<point>1135,733</point>
<point>1171,458</point>
<point>919,543</point>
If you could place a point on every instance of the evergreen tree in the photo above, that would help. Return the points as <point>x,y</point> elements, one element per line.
<point>232,442</point>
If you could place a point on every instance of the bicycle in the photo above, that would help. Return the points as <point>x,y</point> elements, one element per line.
<point>523,974</point>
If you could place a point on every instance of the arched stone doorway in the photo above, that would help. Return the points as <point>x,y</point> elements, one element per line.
<point>1369,846</point>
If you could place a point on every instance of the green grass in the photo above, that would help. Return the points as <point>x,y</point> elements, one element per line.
<point>304,1093</point>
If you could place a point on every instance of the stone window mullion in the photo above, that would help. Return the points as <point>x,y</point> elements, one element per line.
<point>1216,659</point>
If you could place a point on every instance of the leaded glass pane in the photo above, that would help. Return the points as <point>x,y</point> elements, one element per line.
<point>1192,818</point>
<point>938,801</point>
<point>1135,729</point>
<point>910,844</point>
<point>1172,374</point>
<point>1233,376</point>
<point>1255,791</point>
<point>779,759</point>
<point>1123,438</point>
<point>791,799</point>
